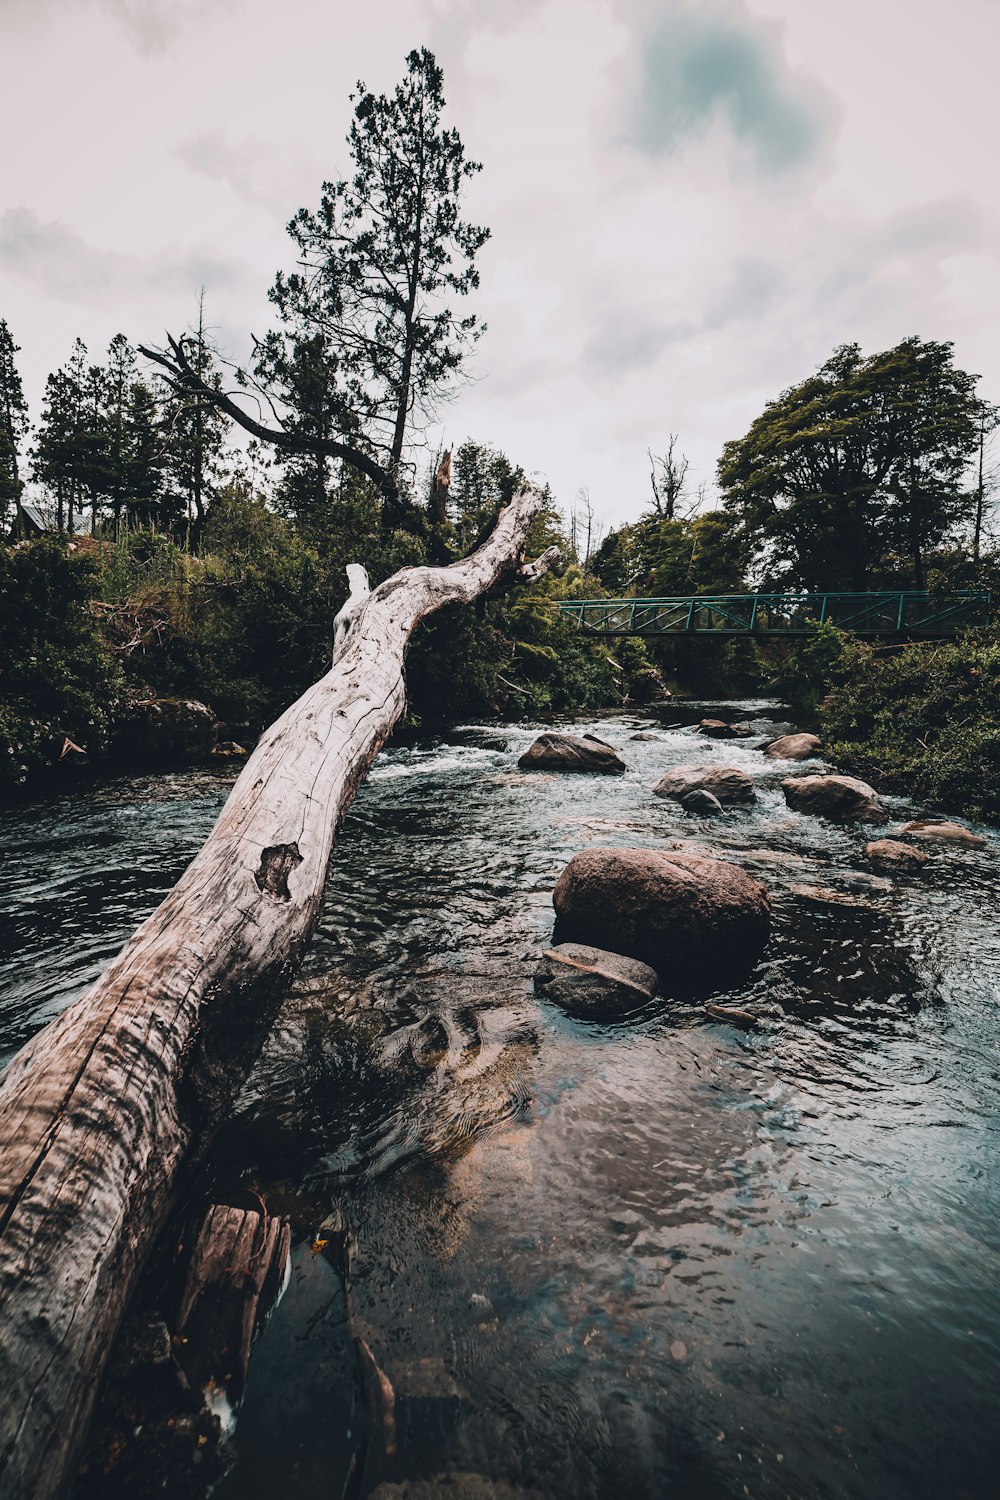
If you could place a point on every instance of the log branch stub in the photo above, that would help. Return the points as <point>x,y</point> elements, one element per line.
<point>103,1111</point>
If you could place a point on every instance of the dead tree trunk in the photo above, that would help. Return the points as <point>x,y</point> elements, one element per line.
<point>101,1112</point>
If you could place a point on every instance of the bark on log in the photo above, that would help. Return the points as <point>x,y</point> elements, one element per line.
<point>101,1112</point>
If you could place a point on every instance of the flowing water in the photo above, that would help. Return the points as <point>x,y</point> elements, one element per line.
<point>664,1257</point>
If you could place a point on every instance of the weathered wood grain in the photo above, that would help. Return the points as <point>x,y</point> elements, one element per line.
<point>102,1111</point>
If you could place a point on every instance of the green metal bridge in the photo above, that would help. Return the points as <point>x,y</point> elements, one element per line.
<point>909,614</point>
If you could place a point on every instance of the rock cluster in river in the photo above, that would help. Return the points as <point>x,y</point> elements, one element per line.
<point>570,752</point>
<point>698,922</point>
<point>727,784</point>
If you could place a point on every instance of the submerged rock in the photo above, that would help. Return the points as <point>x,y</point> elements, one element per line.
<point>822,895</point>
<point>693,919</point>
<point>730,786</point>
<point>893,854</point>
<point>794,747</point>
<point>570,752</point>
<point>843,799</point>
<point>646,734</point>
<point>701,803</point>
<point>718,729</point>
<point>951,833</point>
<point>592,982</point>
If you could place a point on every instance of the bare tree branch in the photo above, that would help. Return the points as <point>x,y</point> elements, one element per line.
<point>182,377</point>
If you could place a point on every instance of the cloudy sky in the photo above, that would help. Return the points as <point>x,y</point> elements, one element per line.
<point>692,201</point>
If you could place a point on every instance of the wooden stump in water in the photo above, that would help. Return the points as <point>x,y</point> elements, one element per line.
<point>238,1253</point>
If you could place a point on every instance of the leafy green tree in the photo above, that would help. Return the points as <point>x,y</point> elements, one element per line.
<point>13,426</point>
<point>853,466</point>
<point>482,480</point>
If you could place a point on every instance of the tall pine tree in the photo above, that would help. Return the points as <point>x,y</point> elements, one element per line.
<point>61,458</point>
<point>381,259</point>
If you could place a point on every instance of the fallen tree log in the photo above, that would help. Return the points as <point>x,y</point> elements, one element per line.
<point>102,1111</point>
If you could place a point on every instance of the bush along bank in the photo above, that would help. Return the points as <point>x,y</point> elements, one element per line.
<point>922,720</point>
<point>112,650</point>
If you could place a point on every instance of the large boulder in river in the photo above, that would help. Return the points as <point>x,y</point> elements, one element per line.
<point>794,747</point>
<point>593,983</point>
<point>570,752</point>
<point>893,854</point>
<point>948,833</point>
<point>843,799</point>
<point>695,920</point>
<point>729,785</point>
<point>166,729</point>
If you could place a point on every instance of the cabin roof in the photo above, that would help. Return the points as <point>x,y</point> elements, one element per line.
<point>33,514</point>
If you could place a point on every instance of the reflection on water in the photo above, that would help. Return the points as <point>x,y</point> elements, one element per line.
<point>666,1258</point>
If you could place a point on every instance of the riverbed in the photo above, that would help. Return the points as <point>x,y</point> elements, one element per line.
<point>665,1257</point>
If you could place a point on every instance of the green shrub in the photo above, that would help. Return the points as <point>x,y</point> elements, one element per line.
<point>923,720</point>
<point>57,679</point>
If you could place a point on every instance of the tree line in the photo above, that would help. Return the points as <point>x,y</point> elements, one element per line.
<point>874,473</point>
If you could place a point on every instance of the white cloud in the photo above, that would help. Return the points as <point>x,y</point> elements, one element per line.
<point>809,175</point>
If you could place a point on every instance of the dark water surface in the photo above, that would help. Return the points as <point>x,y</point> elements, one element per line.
<point>662,1258</point>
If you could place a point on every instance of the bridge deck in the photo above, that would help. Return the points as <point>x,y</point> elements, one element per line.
<point>907,613</point>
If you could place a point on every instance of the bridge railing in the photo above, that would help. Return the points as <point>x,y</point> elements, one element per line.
<point>904,613</point>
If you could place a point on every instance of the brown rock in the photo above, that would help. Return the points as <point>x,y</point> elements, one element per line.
<point>718,729</point>
<point>892,854</point>
<point>727,784</point>
<point>844,799</point>
<point>692,919</point>
<point>951,833</point>
<point>570,752</point>
<point>593,983</point>
<point>701,804</point>
<point>794,747</point>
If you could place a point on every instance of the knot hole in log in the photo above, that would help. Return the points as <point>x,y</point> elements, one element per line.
<point>276,864</point>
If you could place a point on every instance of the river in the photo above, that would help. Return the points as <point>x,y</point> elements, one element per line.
<point>657,1258</point>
